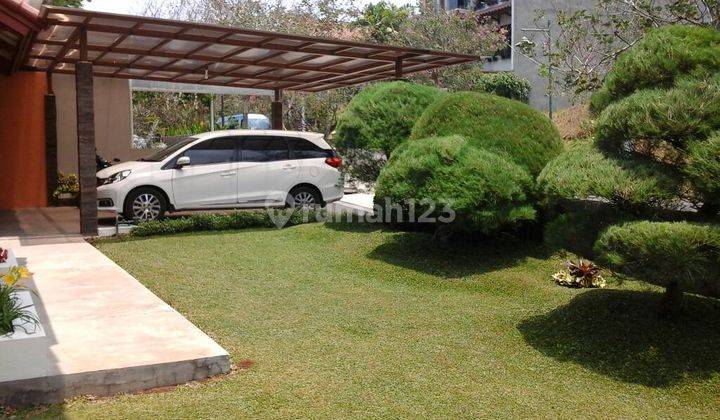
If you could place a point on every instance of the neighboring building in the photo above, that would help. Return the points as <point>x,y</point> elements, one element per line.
<point>516,15</point>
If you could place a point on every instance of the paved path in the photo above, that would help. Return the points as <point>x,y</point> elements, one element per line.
<point>105,332</point>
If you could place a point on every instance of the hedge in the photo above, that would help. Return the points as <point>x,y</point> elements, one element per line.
<point>486,191</point>
<point>505,84</point>
<point>500,125</point>
<point>381,116</point>
<point>215,222</point>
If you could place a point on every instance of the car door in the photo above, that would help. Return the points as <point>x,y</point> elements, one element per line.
<point>211,178</point>
<point>252,172</point>
<point>282,171</point>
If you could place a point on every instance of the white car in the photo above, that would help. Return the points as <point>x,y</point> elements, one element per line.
<point>224,170</point>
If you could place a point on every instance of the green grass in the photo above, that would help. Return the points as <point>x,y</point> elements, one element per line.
<point>337,321</point>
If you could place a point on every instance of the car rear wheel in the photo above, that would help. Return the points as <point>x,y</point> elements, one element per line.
<point>304,197</point>
<point>145,204</point>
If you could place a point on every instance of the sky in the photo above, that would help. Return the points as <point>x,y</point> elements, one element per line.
<point>138,6</point>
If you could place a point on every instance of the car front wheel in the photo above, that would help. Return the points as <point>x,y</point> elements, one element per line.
<point>145,204</point>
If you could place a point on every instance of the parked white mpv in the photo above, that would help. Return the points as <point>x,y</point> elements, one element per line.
<point>223,170</point>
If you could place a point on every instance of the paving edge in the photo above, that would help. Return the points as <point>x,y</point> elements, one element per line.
<point>55,389</point>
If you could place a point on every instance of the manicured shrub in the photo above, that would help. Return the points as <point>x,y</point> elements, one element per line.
<point>648,120</point>
<point>577,231</point>
<point>679,256</point>
<point>504,84</point>
<point>703,168</point>
<point>486,191</point>
<point>584,172</point>
<point>382,115</point>
<point>500,125</point>
<point>215,222</point>
<point>662,56</point>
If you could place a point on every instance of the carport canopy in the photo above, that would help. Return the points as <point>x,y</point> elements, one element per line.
<point>147,48</point>
<point>88,43</point>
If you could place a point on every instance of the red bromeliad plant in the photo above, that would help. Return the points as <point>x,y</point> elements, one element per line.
<point>585,271</point>
<point>580,274</point>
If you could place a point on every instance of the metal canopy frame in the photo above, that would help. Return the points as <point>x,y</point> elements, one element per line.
<point>18,24</point>
<point>134,47</point>
<point>89,44</point>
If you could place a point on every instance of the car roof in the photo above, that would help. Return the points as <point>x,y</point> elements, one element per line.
<point>315,138</point>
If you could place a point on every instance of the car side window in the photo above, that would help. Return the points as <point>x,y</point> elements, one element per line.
<point>264,149</point>
<point>303,149</point>
<point>221,150</point>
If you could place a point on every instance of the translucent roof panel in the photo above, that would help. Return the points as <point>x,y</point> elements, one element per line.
<point>154,49</point>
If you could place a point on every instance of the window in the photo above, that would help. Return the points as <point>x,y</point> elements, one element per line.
<point>220,150</point>
<point>163,154</point>
<point>303,149</point>
<point>265,149</point>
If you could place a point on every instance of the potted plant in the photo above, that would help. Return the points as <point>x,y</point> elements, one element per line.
<point>66,193</point>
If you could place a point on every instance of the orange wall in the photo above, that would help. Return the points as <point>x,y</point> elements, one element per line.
<point>22,140</point>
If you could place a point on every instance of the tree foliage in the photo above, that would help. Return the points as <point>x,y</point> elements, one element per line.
<point>493,123</point>
<point>342,20</point>
<point>661,126</point>
<point>662,56</point>
<point>486,191</point>
<point>588,41</point>
<point>583,172</point>
<point>66,3</point>
<point>683,255</point>
<point>383,21</point>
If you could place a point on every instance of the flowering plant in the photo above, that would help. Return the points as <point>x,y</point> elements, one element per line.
<point>11,308</point>
<point>3,255</point>
<point>13,277</point>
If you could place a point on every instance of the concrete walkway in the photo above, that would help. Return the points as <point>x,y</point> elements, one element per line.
<point>361,203</point>
<point>105,332</point>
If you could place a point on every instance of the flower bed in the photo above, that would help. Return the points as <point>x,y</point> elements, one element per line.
<point>18,315</point>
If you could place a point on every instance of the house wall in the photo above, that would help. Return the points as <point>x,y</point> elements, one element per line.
<point>523,15</point>
<point>113,121</point>
<point>22,140</point>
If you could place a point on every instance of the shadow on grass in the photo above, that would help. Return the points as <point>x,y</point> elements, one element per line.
<point>420,252</point>
<point>617,333</point>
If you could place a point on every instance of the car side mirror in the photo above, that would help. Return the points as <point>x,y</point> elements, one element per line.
<point>182,162</point>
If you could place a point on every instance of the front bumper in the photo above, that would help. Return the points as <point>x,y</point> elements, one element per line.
<point>110,199</point>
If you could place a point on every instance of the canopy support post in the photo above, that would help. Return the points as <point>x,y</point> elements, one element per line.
<point>398,69</point>
<point>87,167</point>
<point>51,161</point>
<point>276,110</point>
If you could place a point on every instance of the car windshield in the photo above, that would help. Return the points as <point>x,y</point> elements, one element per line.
<point>163,154</point>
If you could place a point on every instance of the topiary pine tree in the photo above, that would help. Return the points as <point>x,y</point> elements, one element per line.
<point>656,149</point>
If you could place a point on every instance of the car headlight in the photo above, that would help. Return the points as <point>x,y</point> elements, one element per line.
<point>117,177</point>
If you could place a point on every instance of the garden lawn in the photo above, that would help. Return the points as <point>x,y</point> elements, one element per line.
<point>341,321</point>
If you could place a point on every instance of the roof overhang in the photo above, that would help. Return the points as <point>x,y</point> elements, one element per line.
<point>18,24</point>
<point>135,47</point>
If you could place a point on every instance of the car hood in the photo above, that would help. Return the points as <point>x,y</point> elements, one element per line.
<point>135,166</point>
